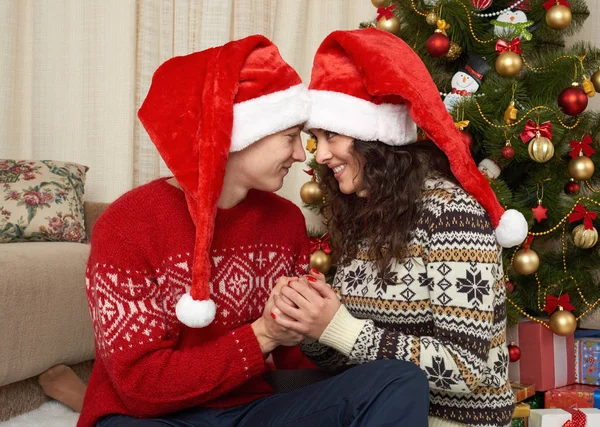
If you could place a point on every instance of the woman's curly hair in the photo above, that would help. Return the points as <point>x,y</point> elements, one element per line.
<point>393,178</point>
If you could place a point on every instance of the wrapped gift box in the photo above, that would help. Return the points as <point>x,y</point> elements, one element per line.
<point>522,391</point>
<point>587,361</point>
<point>547,360</point>
<point>536,401</point>
<point>571,396</point>
<point>558,417</point>
<point>521,415</point>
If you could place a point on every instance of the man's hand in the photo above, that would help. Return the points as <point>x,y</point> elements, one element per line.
<point>269,334</point>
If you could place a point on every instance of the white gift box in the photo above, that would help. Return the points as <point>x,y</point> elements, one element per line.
<point>557,417</point>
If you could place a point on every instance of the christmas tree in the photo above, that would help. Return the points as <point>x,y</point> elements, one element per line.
<point>510,83</point>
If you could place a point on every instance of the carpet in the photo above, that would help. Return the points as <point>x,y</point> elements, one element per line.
<point>50,414</point>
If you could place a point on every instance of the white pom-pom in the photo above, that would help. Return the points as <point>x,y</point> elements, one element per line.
<point>195,314</point>
<point>512,229</point>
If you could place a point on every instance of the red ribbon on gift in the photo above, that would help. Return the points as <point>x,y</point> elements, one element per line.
<point>551,3</point>
<point>531,130</point>
<point>317,243</point>
<point>582,213</point>
<point>385,12</point>
<point>584,145</point>
<point>553,302</point>
<point>513,46</point>
<point>578,419</point>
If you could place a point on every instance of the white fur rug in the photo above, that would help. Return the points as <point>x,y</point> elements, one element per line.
<point>50,414</point>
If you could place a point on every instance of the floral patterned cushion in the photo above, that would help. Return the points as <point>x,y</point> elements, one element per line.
<point>41,200</point>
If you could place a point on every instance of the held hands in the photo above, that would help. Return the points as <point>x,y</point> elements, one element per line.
<point>305,305</point>
<point>269,334</point>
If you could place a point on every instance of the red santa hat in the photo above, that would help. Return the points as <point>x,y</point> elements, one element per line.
<point>372,86</point>
<point>201,107</point>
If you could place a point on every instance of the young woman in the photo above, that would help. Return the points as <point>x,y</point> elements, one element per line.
<point>416,232</point>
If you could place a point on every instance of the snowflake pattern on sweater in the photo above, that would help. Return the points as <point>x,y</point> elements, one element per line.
<point>443,308</point>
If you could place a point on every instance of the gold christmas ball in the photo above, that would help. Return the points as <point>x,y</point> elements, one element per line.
<point>581,168</point>
<point>311,193</point>
<point>526,262</point>
<point>540,149</point>
<point>320,261</point>
<point>563,322</point>
<point>596,80</point>
<point>558,17</point>
<point>432,18</point>
<point>583,238</point>
<point>391,25</point>
<point>454,52</point>
<point>509,64</point>
<point>381,3</point>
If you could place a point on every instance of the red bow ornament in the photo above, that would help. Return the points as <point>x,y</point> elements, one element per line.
<point>385,12</point>
<point>578,419</point>
<point>582,213</point>
<point>551,3</point>
<point>585,146</point>
<point>317,243</point>
<point>531,130</point>
<point>552,303</point>
<point>513,46</point>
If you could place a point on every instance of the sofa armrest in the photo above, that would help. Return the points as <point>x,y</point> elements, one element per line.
<point>93,210</point>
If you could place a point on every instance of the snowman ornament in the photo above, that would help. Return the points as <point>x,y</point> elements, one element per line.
<point>466,81</point>
<point>512,22</point>
<point>489,168</point>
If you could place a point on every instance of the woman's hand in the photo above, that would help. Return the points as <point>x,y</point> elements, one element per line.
<point>269,334</point>
<point>306,305</point>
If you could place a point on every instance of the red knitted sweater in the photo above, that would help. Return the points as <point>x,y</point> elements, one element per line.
<point>147,363</point>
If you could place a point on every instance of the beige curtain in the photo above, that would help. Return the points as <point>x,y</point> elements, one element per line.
<point>73,73</point>
<point>67,74</point>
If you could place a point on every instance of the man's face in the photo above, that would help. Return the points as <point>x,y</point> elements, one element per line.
<point>264,164</point>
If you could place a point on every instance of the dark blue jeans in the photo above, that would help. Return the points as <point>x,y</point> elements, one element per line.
<point>382,393</point>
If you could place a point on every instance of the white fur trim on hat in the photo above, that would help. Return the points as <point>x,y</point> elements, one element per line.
<point>268,114</point>
<point>512,229</point>
<point>195,314</point>
<point>364,120</point>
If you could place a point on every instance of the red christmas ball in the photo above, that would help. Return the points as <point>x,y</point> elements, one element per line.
<point>438,45</point>
<point>514,352</point>
<point>468,139</point>
<point>508,152</point>
<point>481,4</point>
<point>573,101</point>
<point>572,187</point>
<point>510,288</point>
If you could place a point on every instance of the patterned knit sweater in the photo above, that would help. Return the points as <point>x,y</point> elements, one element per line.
<point>147,363</point>
<point>442,308</point>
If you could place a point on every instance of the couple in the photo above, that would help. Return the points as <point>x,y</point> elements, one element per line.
<point>198,285</point>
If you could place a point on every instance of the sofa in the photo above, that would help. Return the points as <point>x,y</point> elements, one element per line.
<point>44,315</point>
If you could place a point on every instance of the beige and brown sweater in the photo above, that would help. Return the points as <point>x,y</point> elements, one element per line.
<point>442,308</point>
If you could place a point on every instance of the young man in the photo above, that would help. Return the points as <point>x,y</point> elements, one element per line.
<point>181,270</point>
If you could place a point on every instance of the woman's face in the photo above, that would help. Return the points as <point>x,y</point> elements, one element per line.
<point>336,152</point>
